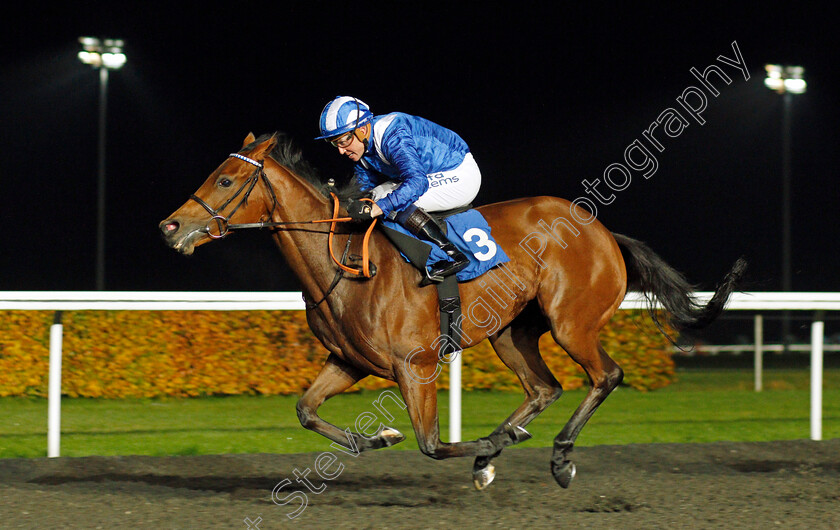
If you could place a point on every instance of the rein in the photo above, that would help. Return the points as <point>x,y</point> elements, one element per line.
<point>366,270</point>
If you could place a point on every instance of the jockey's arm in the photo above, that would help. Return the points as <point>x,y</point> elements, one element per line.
<point>363,178</point>
<point>401,152</point>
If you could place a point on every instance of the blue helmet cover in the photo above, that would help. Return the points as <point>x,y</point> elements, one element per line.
<point>342,115</point>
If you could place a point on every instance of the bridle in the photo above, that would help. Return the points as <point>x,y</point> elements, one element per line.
<point>222,222</point>
<point>366,270</point>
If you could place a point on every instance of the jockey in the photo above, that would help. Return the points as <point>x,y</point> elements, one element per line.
<point>411,165</point>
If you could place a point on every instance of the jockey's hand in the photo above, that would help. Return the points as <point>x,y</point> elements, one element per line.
<point>360,210</point>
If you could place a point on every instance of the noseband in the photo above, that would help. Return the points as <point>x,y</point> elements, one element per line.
<point>222,222</point>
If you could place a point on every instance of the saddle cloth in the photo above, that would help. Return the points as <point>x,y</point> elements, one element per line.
<point>469,232</point>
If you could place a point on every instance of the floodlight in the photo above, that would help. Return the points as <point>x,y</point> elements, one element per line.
<point>106,53</point>
<point>784,79</point>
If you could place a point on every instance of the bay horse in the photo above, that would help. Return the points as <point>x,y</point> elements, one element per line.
<point>567,274</point>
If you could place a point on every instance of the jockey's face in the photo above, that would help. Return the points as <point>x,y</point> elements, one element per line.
<point>352,147</point>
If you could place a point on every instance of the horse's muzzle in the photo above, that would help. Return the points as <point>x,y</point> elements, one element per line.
<point>181,238</point>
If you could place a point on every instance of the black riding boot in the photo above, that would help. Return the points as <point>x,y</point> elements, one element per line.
<point>419,223</point>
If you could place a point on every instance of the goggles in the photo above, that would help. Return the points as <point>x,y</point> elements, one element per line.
<point>342,141</point>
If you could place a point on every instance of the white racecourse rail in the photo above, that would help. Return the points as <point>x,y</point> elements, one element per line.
<point>241,301</point>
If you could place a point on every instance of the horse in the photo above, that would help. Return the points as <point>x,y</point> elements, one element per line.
<point>567,275</point>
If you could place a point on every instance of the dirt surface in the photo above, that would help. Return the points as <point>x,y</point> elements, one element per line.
<point>792,484</point>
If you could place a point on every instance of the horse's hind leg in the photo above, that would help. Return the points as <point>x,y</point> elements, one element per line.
<point>604,375</point>
<point>335,377</point>
<point>518,347</point>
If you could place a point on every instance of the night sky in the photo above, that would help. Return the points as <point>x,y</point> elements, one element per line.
<point>546,97</point>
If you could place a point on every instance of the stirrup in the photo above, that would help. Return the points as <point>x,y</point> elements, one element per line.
<point>446,268</point>
<point>429,278</point>
<point>436,275</point>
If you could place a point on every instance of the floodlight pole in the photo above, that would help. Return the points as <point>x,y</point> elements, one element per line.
<point>100,196</point>
<point>787,81</point>
<point>787,100</point>
<point>103,55</point>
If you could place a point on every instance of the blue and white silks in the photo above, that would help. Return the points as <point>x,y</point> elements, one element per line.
<point>405,149</point>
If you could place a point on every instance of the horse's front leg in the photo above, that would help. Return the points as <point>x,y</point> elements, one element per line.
<point>421,402</point>
<point>335,377</point>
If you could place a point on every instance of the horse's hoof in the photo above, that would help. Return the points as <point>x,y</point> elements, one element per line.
<point>484,476</point>
<point>391,436</point>
<point>564,473</point>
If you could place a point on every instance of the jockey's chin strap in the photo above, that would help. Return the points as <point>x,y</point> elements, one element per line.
<point>224,226</point>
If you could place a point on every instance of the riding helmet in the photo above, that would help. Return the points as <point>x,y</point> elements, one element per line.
<point>342,115</point>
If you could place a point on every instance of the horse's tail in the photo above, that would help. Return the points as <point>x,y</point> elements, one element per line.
<point>648,273</point>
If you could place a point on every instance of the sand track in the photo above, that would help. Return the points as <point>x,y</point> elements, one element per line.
<point>791,484</point>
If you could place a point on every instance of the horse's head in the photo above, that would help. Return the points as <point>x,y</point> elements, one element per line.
<point>225,193</point>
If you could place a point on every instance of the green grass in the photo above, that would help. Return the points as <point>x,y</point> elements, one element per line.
<point>704,406</point>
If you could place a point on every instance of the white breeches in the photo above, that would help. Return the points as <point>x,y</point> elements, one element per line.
<point>447,189</point>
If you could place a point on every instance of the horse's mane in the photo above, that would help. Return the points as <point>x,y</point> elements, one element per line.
<point>288,154</point>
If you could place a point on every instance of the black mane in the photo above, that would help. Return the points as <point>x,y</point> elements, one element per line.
<point>288,154</point>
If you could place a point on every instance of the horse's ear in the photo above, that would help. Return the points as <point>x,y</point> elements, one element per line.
<point>249,139</point>
<point>264,147</point>
<point>272,142</point>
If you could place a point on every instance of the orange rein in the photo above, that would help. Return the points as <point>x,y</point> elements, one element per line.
<point>365,269</point>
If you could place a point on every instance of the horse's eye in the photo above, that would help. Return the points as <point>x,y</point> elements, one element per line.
<point>225,182</point>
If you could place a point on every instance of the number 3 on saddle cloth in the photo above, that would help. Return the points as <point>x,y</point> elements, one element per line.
<point>467,230</point>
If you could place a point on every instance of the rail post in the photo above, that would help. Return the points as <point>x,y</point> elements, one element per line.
<point>54,390</point>
<point>759,352</point>
<point>455,399</point>
<point>817,333</point>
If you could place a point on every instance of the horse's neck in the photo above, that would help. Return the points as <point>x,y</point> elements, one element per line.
<point>303,245</point>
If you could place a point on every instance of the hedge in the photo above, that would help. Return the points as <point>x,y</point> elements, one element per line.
<point>120,354</point>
